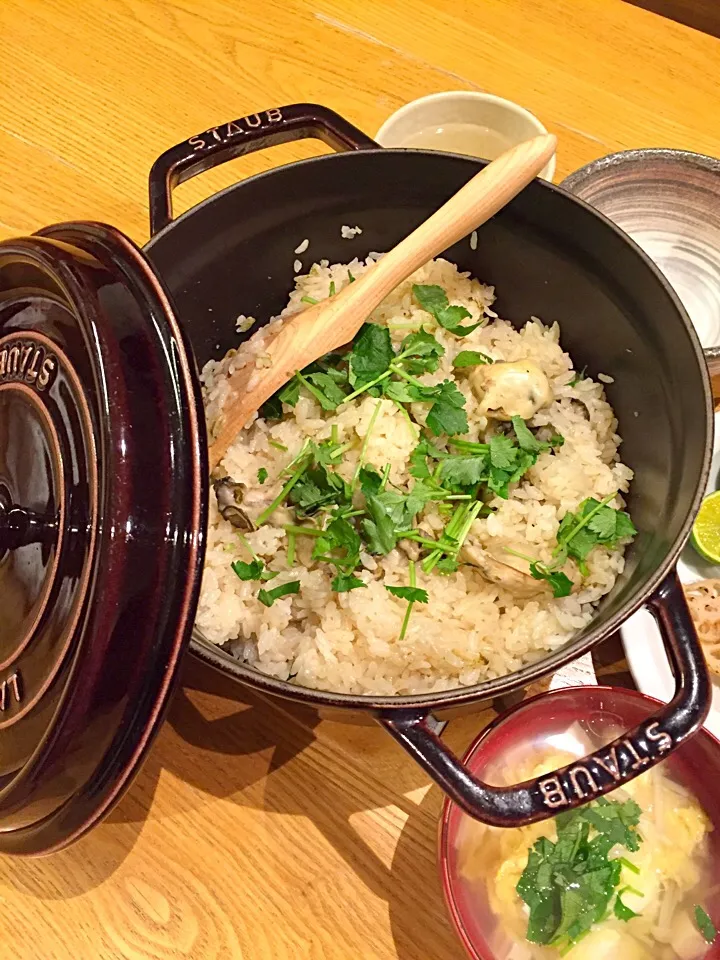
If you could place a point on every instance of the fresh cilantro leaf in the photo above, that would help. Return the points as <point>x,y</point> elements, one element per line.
<point>421,352</point>
<point>463,471</point>
<point>561,584</point>
<point>381,529</point>
<point>527,440</point>
<point>603,524</point>
<point>594,523</point>
<point>319,487</point>
<point>623,912</point>
<point>413,594</point>
<point>624,527</point>
<point>262,475</point>
<point>447,414</point>
<point>569,885</point>
<point>255,570</point>
<point>503,453</point>
<point>268,597</point>
<point>705,925</point>
<point>272,408</point>
<point>401,391</point>
<point>370,480</point>
<point>434,299</point>
<point>577,378</point>
<point>447,565</point>
<point>556,440</point>
<point>418,458</point>
<point>371,355</point>
<point>289,393</point>
<point>422,493</point>
<point>470,358</point>
<point>344,582</point>
<point>326,383</point>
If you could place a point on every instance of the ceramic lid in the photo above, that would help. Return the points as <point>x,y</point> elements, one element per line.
<point>103,496</point>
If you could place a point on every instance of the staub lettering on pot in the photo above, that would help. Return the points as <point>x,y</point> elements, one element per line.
<point>236,128</point>
<point>24,361</point>
<point>583,780</point>
<point>11,691</point>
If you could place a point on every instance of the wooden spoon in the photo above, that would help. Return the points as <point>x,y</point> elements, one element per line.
<point>292,344</point>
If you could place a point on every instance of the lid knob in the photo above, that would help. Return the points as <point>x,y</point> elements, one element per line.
<point>20,528</point>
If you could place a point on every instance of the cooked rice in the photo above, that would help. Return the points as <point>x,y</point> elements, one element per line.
<point>471,630</point>
<point>347,233</point>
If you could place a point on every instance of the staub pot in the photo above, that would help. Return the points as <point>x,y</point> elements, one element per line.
<point>103,455</point>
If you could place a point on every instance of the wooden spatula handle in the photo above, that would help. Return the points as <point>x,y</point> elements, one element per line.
<point>474,204</point>
<point>334,322</point>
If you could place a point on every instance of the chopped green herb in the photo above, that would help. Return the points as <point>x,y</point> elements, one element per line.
<point>344,582</point>
<point>463,471</point>
<point>527,440</point>
<point>412,594</point>
<point>594,523</point>
<point>310,300</point>
<point>370,480</point>
<point>319,487</point>
<point>420,352</point>
<point>470,358</point>
<point>569,885</point>
<point>252,571</point>
<point>561,584</point>
<point>272,409</point>
<point>447,414</point>
<point>371,355</point>
<point>705,925</point>
<point>447,565</point>
<point>289,393</point>
<point>268,597</point>
<point>262,475</point>
<point>292,537</point>
<point>277,445</point>
<point>366,440</point>
<point>332,288</point>
<point>621,911</point>
<point>577,378</point>
<point>351,278</point>
<point>434,299</point>
<point>327,387</point>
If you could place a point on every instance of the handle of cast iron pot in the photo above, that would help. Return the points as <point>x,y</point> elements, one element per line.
<point>209,149</point>
<point>601,771</point>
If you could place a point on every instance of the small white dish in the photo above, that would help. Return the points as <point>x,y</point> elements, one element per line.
<point>462,121</point>
<point>640,636</point>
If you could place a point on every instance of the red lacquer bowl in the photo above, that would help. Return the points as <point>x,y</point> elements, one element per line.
<point>546,722</point>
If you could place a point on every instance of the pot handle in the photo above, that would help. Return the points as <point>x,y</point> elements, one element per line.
<point>209,149</point>
<point>601,771</point>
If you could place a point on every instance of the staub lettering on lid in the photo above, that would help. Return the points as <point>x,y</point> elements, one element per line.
<point>25,361</point>
<point>236,128</point>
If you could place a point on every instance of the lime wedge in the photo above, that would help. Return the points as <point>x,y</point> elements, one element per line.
<point>706,529</point>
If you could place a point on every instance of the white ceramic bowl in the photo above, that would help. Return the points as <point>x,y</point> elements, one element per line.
<point>461,121</point>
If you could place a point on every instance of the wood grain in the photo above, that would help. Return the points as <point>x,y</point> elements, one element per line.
<point>256,831</point>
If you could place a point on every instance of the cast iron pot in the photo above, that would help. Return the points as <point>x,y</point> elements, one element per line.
<point>103,468</point>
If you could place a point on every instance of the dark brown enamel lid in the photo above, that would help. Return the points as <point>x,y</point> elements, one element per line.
<point>103,495</point>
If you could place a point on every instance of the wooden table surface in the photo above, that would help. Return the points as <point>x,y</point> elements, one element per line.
<point>256,831</point>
